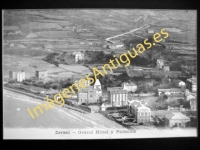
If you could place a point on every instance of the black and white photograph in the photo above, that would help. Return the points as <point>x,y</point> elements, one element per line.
<point>100,73</point>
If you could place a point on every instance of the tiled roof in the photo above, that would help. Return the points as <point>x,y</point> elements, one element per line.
<point>136,104</point>
<point>129,84</point>
<point>114,88</point>
<point>177,116</point>
<point>169,90</point>
<point>118,91</point>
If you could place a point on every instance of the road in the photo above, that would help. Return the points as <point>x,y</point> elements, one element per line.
<point>129,32</point>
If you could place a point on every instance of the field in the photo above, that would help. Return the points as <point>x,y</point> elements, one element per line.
<point>18,62</point>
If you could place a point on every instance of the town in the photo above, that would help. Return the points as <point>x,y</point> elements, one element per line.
<point>157,90</point>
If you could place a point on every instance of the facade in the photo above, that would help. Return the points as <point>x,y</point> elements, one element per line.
<point>117,96</point>
<point>130,87</point>
<point>141,113</point>
<point>176,119</point>
<point>78,56</point>
<point>90,94</point>
<point>19,76</point>
<point>161,64</point>
<point>41,74</point>
<point>192,84</point>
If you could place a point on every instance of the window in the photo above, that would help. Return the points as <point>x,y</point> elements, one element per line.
<point>113,97</point>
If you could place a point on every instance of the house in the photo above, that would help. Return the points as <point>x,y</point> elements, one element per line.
<point>150,31</point>
<point>161,64</point>
<point>176,119</point>
<point>78,56</point>
<point>41,74</point>
<point>117,96</point>
<point>11,45</point>
<point>170,118</point>
<point>166,68</point>
<point>141,112</point>
<point>19,76</point>
<point>181,84</point>
<point>192,84</point>
<point>130,87</point>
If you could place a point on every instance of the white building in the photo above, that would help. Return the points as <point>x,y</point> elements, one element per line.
<point>181,84</point>
<point>19,76</point>
<point>130,87</point>
<point>78,56</point>
<point>139,111</point>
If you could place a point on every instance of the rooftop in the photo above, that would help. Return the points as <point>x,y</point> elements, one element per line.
<point>130,84</point>
<point>136,104</point>
<point>114,88</point>
<point>118,91</point>
<point>177,116</point>
<point>169,90</point>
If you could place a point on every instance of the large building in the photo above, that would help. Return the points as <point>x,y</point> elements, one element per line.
<point>117,96</point>
<point>141,113</point>
<point>19,76</point>
<point>41,74</point>
<point>91,94</point>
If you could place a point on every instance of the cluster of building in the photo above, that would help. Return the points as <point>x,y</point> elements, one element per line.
<point>171,118</point>
<point>20,76</point>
